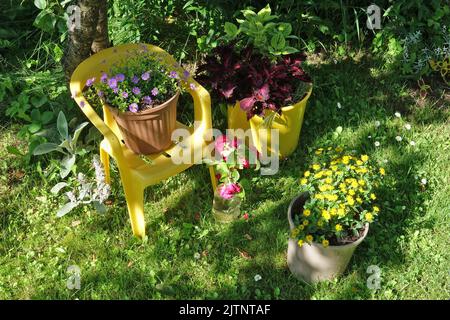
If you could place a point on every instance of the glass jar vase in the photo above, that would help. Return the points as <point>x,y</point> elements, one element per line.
<point>226,209</point>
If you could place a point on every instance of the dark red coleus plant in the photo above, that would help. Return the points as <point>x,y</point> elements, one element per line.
<point>253,79</point>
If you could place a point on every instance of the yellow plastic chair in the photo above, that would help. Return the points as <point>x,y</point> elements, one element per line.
<point>135,173</point>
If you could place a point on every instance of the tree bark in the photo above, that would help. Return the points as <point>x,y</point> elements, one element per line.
<point>101,40</point>
<point>89,35</point>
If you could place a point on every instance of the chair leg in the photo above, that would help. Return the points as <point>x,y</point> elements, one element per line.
<point>134,194</point>
<point>212,173</point>
<point>104,158</point>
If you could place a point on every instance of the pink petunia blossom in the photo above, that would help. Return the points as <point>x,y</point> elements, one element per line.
<point>223,144</point>
<point>227,191</point>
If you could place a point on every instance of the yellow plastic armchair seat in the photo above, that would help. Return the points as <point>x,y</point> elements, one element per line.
<point>136,173</point>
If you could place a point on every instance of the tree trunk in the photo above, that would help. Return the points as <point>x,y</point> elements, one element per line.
<point>90,34</point>
<point>101,40</point>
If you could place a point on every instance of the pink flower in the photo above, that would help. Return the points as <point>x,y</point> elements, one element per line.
<point>245,163</point>
<point>245,216</point>
<point>224,143</point>
<point>227,191</point>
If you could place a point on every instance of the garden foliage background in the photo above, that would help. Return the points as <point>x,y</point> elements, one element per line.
<point>361,78</point>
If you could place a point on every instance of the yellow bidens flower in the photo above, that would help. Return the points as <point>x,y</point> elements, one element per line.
<point>316,167</point>
<point>350,200</point>
<point>300,243</point>
<point>376,209</point>
<point>319,151</point>
<point>328,180</point>
<point>361,182</point>
<point>338,149</point>
<point>309,238</point>
<point>369,216</point>
<point>307,174</point>
<point>382,171</point>
<point>325,243</point>
<point>364,157</point>
<point>304,181</point>
<point>326,215</point>
<point>338,227</point>
<point>373,196</point>
<point>345,159</point>
<point>359,162</point>
<point>305,222</point>
<point>306,212</point>
<point>341,212</point>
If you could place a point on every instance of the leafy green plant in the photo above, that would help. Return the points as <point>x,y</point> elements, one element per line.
<point>258,29</point>
<point>85,191</point>
<point>67,145</point>
<point>52,16</point>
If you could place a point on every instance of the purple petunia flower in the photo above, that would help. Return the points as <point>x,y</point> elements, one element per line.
<point>186,74</point>
<point>125,94</point>
<point>112,83</point>
<point>90,82</point>
<point>120,77</point>
<point>101,94</point>
<point>104,77</point>
<point>145,76</point>
<point>173,74</point>
<point>133,107</point>
<point>155,91</point>
<point>192,86</point>
<point>116,90</point>
<point>147,100</point>
<point>136,90</point>
<point>135,79</point>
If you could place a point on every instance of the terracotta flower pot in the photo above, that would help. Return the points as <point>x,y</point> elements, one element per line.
<point>148,131</point>
<point>289,126</point>
<point>313,263</point>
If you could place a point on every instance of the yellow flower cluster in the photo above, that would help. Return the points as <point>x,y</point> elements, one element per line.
<point>340,187</point>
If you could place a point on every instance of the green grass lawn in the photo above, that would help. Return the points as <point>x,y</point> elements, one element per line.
<point>189,256</point>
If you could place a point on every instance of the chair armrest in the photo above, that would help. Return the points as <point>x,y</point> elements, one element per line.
<point>202,107</point>
<point>93,117</point>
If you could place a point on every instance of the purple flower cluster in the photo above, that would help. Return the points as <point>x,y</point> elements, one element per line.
<point>131,92</point>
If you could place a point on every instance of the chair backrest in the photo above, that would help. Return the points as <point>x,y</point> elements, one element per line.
<point>102,61</point>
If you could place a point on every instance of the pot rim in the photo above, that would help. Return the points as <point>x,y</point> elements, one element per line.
<point>345,246</point>
<point>129,114</point>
